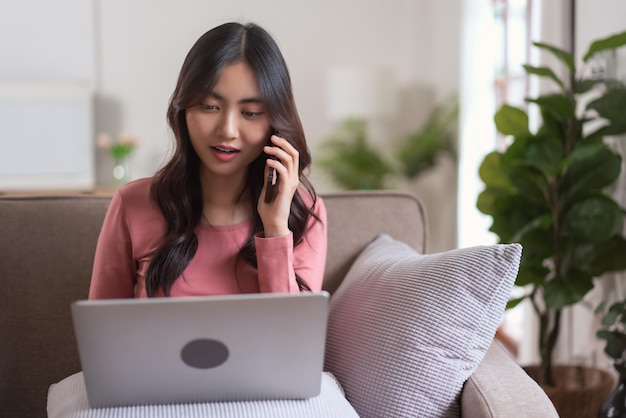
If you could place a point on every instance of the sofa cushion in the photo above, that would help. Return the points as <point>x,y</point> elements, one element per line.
<point>406,330</point>
<point>68,399</point>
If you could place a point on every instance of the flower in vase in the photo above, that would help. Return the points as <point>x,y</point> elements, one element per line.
<point>119,149</point>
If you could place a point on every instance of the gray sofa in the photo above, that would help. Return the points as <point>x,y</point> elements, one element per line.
<point>47,245</point>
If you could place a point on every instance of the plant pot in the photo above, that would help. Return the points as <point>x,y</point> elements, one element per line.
<point>579,391</point>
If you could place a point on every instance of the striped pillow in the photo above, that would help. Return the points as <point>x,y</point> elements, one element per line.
<point>68,399</point>
<point>406,330</point>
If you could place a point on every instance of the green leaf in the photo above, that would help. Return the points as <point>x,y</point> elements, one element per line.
<point>551,126</point>
<point>545,152</point>
<point>537,243</point>
<point>506,216</point>
<point>511,121</point>
<point>512,303</point>
<point>566,57</point>
<point>511,211</point>
<point>611,42</point>
<point>541,222</point>
<point>492,173</point>
<point>559,293</point>
<point>604,256</point>
<point>530,181</point>
<point>594,219</point>
<point>584,85</point>
<point>603,334</point>
<point>544,72</point>
<point>516,151</point>
<point>559,106</point>
<point>613,314</point>
<point>530,274</point>
<point>610,105</point>
<point>615,343</point>
<point>485,202</point>
<point>591,167</point>
<point>609,319</point>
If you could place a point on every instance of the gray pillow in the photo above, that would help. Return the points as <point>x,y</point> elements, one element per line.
<point>406,330</point>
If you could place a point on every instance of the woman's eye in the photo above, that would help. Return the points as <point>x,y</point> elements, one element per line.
<point>205,106</point>
<point>250,114</point>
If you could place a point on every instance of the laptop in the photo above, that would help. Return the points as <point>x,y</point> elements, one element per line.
<point>199,349</point>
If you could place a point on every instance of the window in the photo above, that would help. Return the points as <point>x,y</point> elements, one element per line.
<point>513,29</point>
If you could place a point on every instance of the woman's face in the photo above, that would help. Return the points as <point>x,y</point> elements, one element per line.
<point>229,128</point>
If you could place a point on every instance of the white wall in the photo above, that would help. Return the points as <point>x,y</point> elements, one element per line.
<point>41,39</point>
<point>46,84</point>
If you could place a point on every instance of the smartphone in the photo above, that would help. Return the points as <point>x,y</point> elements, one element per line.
<point>272,177</point>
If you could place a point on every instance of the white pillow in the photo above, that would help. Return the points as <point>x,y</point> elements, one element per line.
<point>407,330</point>
<point>68,399</point>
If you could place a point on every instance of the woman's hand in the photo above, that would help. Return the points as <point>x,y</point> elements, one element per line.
<point>275,214</point>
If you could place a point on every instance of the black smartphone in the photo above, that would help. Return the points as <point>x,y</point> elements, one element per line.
<point>272,177</point>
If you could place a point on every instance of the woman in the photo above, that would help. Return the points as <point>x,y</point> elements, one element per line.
<point>202,225</point>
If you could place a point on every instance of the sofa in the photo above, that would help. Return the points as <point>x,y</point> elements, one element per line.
<point>47,245</point>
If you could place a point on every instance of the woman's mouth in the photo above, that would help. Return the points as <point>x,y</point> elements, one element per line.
<point>223,153</point>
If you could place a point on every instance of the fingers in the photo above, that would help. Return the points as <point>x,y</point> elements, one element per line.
<point>283,150</point>
<point>287,159</point>
<point>275,209</point>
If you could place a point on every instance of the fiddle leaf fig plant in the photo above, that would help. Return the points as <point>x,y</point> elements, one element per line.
<point>548,190</point>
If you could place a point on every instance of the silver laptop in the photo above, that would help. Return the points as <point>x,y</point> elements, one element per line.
<point>197,349</point>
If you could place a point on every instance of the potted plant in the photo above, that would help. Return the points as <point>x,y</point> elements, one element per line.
<point>613,332</point>
<point>420,150</point>
<point>351,161</point>
<point>547,191</point>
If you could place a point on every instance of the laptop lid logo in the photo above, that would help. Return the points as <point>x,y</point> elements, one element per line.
<point>204,353</point>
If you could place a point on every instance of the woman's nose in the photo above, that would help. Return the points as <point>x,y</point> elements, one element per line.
<point>228,127</point>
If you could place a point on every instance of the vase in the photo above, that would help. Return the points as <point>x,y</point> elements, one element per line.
<point>121,171</point>
<point>615,404</point>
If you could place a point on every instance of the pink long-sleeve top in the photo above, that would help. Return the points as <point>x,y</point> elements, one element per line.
<point>134,226</point>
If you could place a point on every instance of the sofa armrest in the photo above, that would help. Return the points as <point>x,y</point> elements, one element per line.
<point>501,388</point>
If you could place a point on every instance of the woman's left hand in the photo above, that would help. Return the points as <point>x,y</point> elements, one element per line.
<point>275,214</point>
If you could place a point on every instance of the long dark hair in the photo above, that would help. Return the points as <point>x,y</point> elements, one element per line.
<point>176,186</point>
